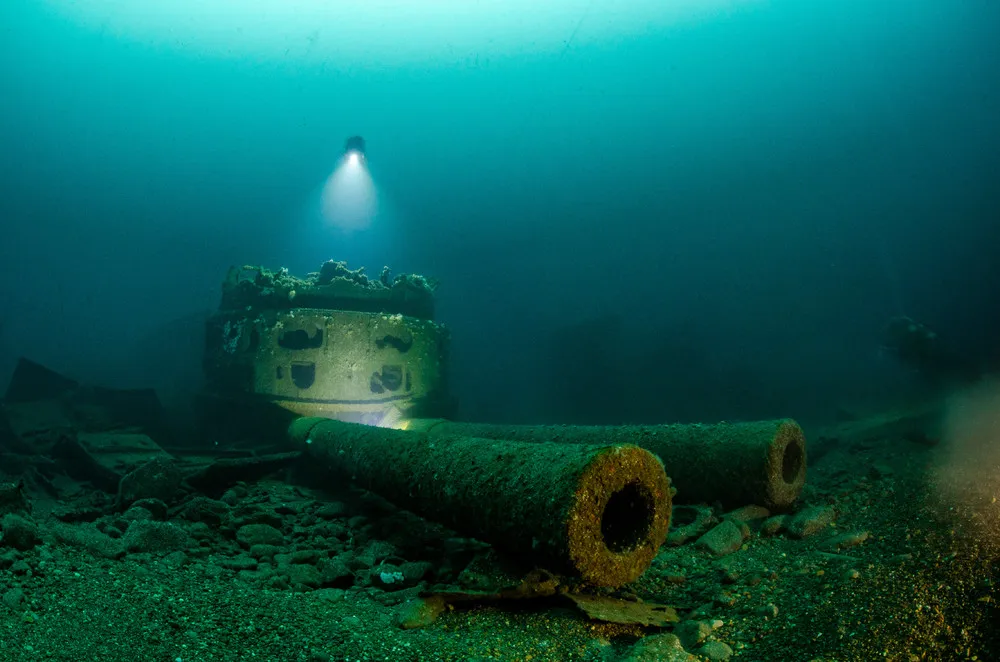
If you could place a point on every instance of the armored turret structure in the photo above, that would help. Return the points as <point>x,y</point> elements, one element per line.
<point>334,344</point>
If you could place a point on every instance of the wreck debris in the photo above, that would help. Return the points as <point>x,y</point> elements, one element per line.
<point>348,365</point>
<point>105,437</point>
<point>216,477</point>
<point>40,400</point>
<point>543,588</point>
<point>239,419</point>
<point>335,344</point>
<point>102,409</point>
<point>599,512</point>
<point>13,498</point>
<point>120,452</point>
<point>624,612</point>
<point>759,462</point>
<point>10,441</point>
<point>920,421</point>
<point>80,465</point>
<point>35,427</point>
<point>32,381</point>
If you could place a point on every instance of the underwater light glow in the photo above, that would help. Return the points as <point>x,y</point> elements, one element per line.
<point>354,149</point>
<point>379,32</point>
<point>348,199</point>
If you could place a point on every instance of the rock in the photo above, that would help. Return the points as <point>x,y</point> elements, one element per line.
<point>811,520</point>
<point>850,539</point>
<point>241,562</point>
<point>331,595</point>
<point>332,510</point>
<point>310,556</point>
<point>203,509</point>
<point>7,558</point>
<point>264,552</point>
<point>156,508</point>
<point>419,612</point>
<point>157,479</point>
<point>692,633</point>
<point>77,514</point>
<point>155,537</point>
<point>687,523</point>
<point>244,515</point>
<point>336,574</point>
<point>90,538</point>
<point>388,577</point>
<point>19,532</point>
<point>302,575</point>
<point>234,495</point>
<point>137,514</point>
<point>659,648</point>
<point>21,568</point>
<point>14,599</point>
<point>773,525</point>
<point>176,559</point>
<point>415,571</point>
<point>749,513</point>
<point>374,553</point>
<point>715,651</point>
<point>725,538</point>
<point>259,534</point>
<point>768,611</point>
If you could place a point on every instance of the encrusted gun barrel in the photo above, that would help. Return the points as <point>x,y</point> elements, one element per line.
<point>596,511</point>
<point>757,462</point>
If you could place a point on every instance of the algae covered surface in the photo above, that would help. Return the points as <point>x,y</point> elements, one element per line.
<point>334,286</point>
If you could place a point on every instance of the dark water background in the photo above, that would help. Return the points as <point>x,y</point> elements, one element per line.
<point>636,213</point>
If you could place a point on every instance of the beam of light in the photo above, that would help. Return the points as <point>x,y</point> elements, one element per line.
<point>348,200</point>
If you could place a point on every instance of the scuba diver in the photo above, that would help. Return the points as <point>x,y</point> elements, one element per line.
<point>919,347</point>
<point>354,148</point>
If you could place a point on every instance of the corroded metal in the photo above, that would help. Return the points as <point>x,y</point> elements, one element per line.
<point>599,512</point>
<point>758,462</point>
<point>334,344</point>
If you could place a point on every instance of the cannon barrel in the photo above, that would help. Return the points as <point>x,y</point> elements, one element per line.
<point>756,462</point>
<point>596,511</point>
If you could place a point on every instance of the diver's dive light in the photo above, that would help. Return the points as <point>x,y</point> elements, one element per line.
<point>348,197</point>
<point>354,149</point>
